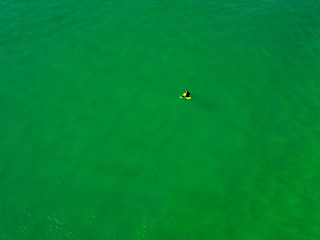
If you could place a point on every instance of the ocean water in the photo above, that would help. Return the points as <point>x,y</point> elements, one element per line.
<point>95,142</point>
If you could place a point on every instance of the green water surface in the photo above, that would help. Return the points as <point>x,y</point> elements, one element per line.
<point>95,142</point>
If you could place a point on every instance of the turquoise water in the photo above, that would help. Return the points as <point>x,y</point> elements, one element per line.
<point>95,142</point>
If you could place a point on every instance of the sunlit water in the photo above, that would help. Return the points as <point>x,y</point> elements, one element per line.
<point>95,142</point>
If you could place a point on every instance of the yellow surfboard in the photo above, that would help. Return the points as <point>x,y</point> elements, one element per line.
<point>184,95</point>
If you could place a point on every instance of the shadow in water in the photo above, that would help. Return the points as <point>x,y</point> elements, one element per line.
<point>204,102</point>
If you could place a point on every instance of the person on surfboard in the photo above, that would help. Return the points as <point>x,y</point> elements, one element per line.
<point>186,95</point>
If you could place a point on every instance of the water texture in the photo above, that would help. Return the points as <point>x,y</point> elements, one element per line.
<point>95,142</point>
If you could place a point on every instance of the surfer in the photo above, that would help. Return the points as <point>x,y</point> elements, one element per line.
<point>186,95</point>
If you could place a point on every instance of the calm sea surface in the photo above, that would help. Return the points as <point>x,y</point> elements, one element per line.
<point>95,142</point>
